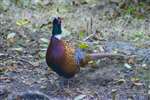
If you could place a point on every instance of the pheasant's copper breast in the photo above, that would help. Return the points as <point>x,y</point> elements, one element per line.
<point>60,57</point>
<point>70,65</point>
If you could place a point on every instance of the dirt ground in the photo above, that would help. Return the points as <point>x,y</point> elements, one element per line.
<point>24,37</point>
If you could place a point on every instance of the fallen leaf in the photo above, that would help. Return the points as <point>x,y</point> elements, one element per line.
<point>120,81</point>
<point>11,35</point>
<point>114,90</point>
<point>80,97</point>
<point>129,99</point>
<point>138,83</point>
<point>101,49</point>
<point>44,40</point>
<point>11,38</point>
<point>42,55</point>
<point>22,22</point>
<point>17,49</point>
<point>35,63</point>
<point>91,62</point>
<point>144,65</point>
<point>2,71</point>
<point>95,51</point>
<point>135,79</point>
<point>83,45</point>
<point>131,61</point>
<point>43,87</point>
<point>81,34</point>
<point>43,49</point>
<point>28,82</point>
<point>115,51</point>
<point>127,66</point>
<point>7,69</point>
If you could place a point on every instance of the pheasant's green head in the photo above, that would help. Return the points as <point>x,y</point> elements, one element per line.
<point>56,26</point>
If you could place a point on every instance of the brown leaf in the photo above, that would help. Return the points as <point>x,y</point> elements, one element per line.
<point>8,68</point>
<point>131,61</point>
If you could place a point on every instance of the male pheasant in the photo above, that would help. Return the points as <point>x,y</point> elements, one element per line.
<point>64,59</point>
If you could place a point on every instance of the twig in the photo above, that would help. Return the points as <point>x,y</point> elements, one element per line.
<point>91,25</point>
<point>88,37</point>
<point>109,55</point>
<point>87,27</point>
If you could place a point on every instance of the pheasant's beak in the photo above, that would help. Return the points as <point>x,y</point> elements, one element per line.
<point>61,18</point>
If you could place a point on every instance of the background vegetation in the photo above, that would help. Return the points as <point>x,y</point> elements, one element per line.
<point>119,26</point>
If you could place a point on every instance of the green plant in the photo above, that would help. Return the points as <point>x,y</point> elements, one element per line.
<point>137,36</point>
<point>130,10</point>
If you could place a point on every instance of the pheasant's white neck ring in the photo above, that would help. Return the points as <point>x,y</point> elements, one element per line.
<point>59,36</point>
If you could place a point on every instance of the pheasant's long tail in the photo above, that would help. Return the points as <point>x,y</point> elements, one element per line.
<point>96,56</point>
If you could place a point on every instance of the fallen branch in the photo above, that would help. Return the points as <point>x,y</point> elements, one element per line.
<point>6,78</point>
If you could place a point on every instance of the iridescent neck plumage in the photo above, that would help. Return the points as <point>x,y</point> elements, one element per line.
<point>56,31</point>
<point>56,27</point>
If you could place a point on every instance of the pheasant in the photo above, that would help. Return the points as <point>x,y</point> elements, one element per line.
<point>63,58</point>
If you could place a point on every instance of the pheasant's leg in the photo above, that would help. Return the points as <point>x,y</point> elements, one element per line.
<point>63,82</point>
